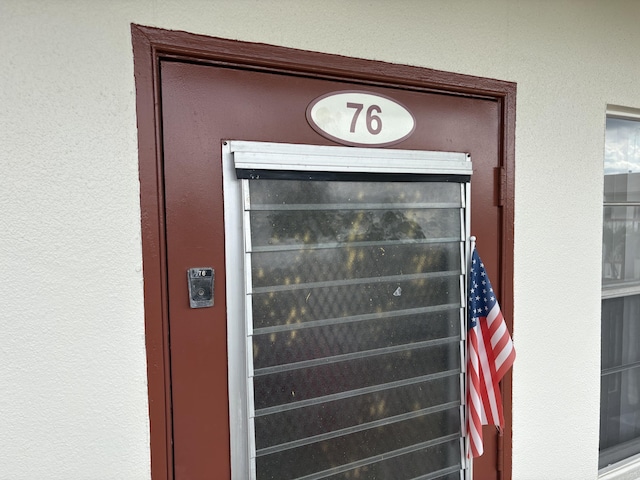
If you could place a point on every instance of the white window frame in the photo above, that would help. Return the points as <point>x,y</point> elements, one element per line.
<point>259,156</point>
<point>628,468</point>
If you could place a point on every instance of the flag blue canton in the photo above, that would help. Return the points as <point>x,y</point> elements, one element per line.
<point>481,297</point>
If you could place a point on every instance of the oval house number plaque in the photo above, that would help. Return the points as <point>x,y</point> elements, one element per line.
<point>360,119</point>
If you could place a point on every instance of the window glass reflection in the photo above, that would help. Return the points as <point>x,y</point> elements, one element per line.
<point>620,350</point>
<point>621,244</point>
<point>356,305</point>
<point>620,380</point>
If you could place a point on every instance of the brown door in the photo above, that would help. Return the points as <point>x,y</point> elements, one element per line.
<point>200,107</point>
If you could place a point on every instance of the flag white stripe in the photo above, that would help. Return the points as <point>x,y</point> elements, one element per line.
<point>493,314</point>
<point>476,439</point>
<point>498,334</point>
<point>503,355</point>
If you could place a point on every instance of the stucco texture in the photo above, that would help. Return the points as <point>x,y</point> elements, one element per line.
<point>72,351</point>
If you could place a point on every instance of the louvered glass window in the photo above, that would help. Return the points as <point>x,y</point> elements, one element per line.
<point>353,311</point>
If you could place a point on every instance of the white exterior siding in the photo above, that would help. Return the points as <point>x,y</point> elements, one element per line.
<point>72,346</point>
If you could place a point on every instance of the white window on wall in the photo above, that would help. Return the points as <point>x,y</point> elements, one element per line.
<point>620,347</point>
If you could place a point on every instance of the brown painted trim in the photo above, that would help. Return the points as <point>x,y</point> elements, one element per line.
<point>203,49</point>
<point>153,254</point>
<point>150,45</point>
<point>506,266</point>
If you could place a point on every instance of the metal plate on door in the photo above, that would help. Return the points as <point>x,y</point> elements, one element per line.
<point>200,282</point>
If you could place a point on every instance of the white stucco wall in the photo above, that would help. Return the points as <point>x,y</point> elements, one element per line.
<point>72,355</point>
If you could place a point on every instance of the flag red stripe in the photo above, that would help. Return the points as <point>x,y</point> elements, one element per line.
<point>489,384</point>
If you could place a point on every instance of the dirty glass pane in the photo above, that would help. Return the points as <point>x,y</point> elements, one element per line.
<point>322,192</point>
<point>297,304</point>
<point>436,459</point>
<point>353,260</point>
<point>282,387</point>
<point>363,333</point>
<point>321,418</point>
<point>355,328</point>
<point>304,227</point>
<point>356,447</point>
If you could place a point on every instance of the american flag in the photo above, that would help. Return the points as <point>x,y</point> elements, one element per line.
<point>490,354</point>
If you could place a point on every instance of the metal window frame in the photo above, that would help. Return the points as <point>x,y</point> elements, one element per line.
<point>238,156</point>
<point>619,290</point>
<point>286,156</point>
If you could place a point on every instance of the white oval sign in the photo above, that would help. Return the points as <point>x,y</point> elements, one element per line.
<point>360,118</point>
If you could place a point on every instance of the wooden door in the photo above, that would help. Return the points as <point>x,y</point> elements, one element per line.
<point>202,104</point>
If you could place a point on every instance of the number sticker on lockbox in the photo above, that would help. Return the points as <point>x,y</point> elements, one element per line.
<point>200,282</point>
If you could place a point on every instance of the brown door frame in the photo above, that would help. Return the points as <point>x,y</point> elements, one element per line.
<point>150,46</point>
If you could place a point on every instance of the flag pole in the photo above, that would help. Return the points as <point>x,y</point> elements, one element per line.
<point>468,457</point>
